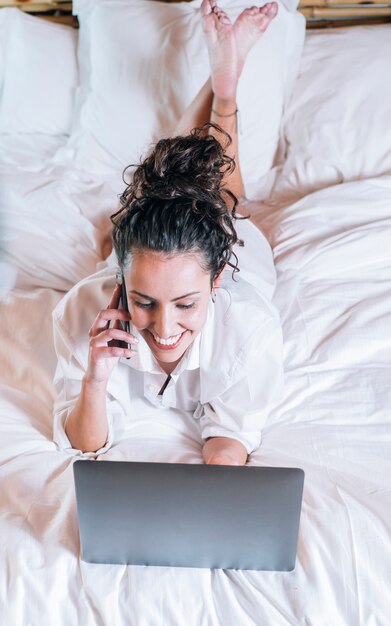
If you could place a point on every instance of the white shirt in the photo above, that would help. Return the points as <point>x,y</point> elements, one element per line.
<point>227,379</point>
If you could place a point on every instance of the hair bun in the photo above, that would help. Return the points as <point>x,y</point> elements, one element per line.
<point>175,203</point>
<point>191,167</point>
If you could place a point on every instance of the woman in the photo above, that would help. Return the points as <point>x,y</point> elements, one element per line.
<point>203,339</point>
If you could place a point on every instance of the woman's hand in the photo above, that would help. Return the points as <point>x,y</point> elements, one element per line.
<point>224,451</point>
<point>103,357</point>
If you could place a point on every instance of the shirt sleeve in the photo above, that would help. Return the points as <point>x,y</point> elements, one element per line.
<point>68,383</point>
<point>242,410</point>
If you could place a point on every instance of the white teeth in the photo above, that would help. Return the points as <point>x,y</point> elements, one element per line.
<point>167,342</point>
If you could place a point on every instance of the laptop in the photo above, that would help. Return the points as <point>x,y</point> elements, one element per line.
<point>187,515</point>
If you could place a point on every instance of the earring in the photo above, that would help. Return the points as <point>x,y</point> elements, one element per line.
<point>213,296</point>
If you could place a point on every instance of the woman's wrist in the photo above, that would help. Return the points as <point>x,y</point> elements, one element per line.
<point>224,106</point>
<point>93,384</point>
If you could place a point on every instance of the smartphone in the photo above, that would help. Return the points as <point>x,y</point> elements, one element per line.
<point>123,304</point>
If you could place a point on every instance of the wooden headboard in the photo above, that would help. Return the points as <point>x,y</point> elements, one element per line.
<point>318,13</point>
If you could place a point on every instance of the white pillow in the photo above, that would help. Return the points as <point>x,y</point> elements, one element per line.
<point>337,124</point>
<point>3,39</point>
<point>147,62</point>
<point>40,75</point>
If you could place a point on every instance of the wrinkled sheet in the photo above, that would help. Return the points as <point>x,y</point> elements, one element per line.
<point>54,226</point>
<point>28,151</point>
<point>333,256</point>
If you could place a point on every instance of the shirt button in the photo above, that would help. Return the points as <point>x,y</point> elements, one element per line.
<point>151,388</point>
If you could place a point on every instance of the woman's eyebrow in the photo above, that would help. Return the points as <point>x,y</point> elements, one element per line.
<point>191,293</point>
<point>143,295</point>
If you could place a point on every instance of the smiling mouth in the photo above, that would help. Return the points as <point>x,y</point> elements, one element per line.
<point>167,344</point>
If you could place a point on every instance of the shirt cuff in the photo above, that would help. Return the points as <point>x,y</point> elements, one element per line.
<point>62,442</point>
<point>250,440</point>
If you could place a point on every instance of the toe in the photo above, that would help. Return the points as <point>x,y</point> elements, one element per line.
<point>222,13</point>
<point>272,9</point>
<point>206,7</point>
<point>269,10</point>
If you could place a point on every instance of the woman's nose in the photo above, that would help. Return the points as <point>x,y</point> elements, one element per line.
<point>164,324</point>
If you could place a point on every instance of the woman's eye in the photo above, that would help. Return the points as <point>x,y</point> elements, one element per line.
<point>143,305</point>
<point>150,305</point>
<point>186,306</point>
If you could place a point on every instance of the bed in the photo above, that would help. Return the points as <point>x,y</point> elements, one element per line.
<point>318,184</point>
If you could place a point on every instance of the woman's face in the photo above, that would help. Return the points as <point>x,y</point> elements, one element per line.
<point>168,301</point>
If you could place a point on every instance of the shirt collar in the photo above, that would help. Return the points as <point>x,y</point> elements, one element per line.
<point>191,358</point>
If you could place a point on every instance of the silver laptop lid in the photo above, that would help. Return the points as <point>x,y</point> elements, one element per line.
<point>188,515</point>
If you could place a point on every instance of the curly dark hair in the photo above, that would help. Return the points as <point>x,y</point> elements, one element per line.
<point>175,202</point>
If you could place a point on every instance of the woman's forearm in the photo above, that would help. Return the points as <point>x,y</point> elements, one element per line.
<point>87,426</point>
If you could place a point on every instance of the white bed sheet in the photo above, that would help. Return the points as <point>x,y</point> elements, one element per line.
<point>54,224</point>
<point>333,253</point>
<point>28,151</point>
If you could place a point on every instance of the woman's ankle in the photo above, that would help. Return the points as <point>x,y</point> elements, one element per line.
<point>225,106</point>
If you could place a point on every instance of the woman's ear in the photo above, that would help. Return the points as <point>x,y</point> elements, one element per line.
<point>217,280</point>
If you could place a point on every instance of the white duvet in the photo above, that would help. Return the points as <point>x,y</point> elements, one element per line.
<point>333,256</point>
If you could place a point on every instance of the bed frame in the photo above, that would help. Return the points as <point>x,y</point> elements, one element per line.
<point>318,13</point>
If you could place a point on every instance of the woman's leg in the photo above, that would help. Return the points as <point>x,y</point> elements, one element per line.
<point>198,111</point>
<point>228,46</point>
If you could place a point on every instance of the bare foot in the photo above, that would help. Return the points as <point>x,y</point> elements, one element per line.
<point>222,49</point>
<point>228,44</point>
<point>249,26</point>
